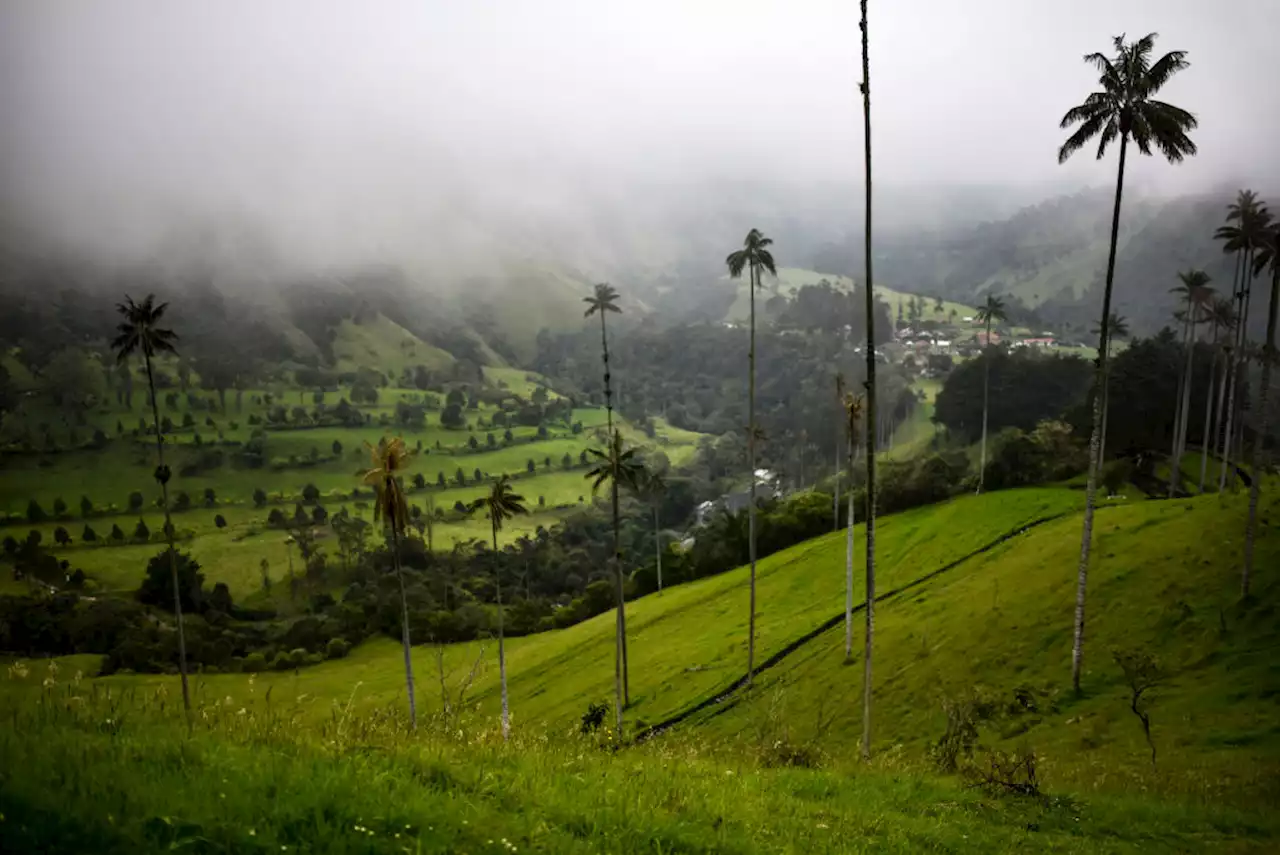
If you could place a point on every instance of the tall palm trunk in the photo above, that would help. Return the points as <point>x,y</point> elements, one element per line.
<point>621,678</point>
<point>1260,437</point>
<point>1184,409</point>
<point>162,475</point>
<point>1095,439</point>
<point>502,653</point>
<point>1228,438</point>
<point>871,398</point>
<point>848,560</point>
<point>986,391</point>
<point>404,627</point>
<point>1106,414</point>
<point>1242,403</point>
<point>1209,412</point>
<point>751,456</point>
<point>657,545</point>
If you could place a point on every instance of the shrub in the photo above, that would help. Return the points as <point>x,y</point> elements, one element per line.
<point>276,518</point>
<point>35,513</point>
<point>182,501</point>
<point>593,717</point>
<point>220,521</point>
<point>310,493</point>
<point>141,532</point>
<point>86,506</point>
<point>135,501</point>
<point>337,648</point>
<point>210,497</point>
<point>88,535</point>
<point>157,585</point>
<point>259,497</point>
<point>61,536</point>
<point>117,533</point>
<point>253,663</point>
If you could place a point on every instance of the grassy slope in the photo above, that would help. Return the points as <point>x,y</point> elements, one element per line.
<point>796,277</point>
<point>684,644</point>
<point>252,782</point>
<point>384,345</point>
<point>1165,579</point>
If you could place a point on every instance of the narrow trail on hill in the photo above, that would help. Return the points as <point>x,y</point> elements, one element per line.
<point>726,694</point>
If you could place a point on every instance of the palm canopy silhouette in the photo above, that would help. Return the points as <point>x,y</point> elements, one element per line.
<point>605,299</point>
<point>140,331</point>
<point>754,255</point>
<point>388,461</point>
<point>501,504</point>
<point>1125,106</point>
<point>616,459</point>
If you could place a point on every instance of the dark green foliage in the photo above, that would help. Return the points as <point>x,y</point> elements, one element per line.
<point>210,497</point>
<point>337,448</point>
<point>310,493</point>
<point>259,497</point>
<point>419,480</point>
<point>117,533</point>
<point>1026,388</point>
<point>1048,453</point>
<point>451,417</point>
<point>141,532</point>
<point>472,443</point>
<point>35,513</point>
<point>61,536</point>
<point>182,501</point>
<point>88,535</point>
<point>507,436</point>
<point>135,501</point>
<point>276,518</point>
<point>220,521</point>
<point>440,482</point>
<point>157,585</point>
<point>319,515</point>
<point>530,466</point>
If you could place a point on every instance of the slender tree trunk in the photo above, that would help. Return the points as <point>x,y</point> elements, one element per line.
<point>1260,437</point>
<point>1235,394</point>
<point>657,545</point>
<point>1106,416</point>
<point>1209,412</point>
<point>1228,374</point>
<point>620,620</point>
<point>1095,440</point>
<point>871,399</point>
<point>1177,411</point>
<point>986,391</point>
<point>622,612</point>
<point>404,627</point>
<point>1180,429</point>
<point>162,475</point>
<point>502,653</point>
<point>848,559</point>
<point>1243,401</point>
<point>751,456</point>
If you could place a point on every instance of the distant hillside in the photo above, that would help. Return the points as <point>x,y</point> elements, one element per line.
<point>1052,257</point>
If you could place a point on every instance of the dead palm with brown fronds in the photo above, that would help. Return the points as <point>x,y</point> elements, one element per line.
<point>389,459</point>
<point>140,332</point>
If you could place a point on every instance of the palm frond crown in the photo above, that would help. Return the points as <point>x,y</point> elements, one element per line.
<point>605,299</point>
<point>388,461</point>
<point>1125,104</point>
<point>754,253</point>
<point>613,459</point>
<point>502,503</point>
<point>992,310</point>
<point>139,331</point>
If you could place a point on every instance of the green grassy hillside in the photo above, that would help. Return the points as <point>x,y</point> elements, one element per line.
<point>797,277</point>
<point>686,643</point>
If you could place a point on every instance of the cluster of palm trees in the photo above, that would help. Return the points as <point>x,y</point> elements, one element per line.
<point>1125,110</point>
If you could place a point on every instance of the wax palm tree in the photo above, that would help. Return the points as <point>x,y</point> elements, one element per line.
<point>990,312</point>
<point>1119,328</point>
<point>1222,315</point>
<point>653,487</point>
<point>755,258</point>
<point>1125,108</point>
<point>1267,258</point>
<point>602,302</point>
<point>621,468</point>
<point>139,331</point>
<point>1195,293</point>
<point>852,406</point>
<point>1244,234</point>
<point>387,463</point>
<point>865,88</point>
<point>501,504</point>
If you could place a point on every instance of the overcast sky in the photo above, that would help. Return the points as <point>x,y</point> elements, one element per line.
<point>333,115</point>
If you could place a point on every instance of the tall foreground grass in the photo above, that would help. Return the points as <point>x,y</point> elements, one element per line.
<point>86,768</point>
